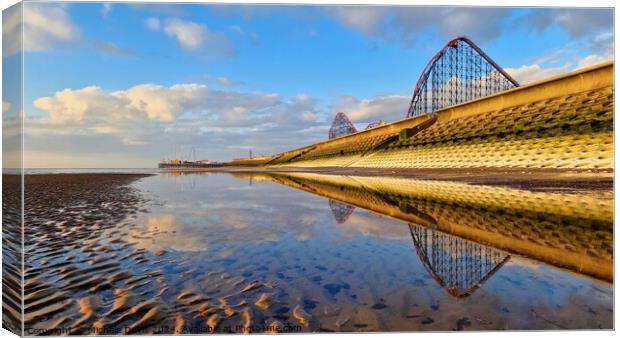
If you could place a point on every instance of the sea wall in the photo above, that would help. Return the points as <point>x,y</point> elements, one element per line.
<point>250,161</point>
<point>565,122</point>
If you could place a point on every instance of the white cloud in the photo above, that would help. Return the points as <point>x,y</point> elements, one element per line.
<point>308,116</point>
<point>603,43</point>
<point>72,105</point>
<point>152,23</point>
<point>43,27</point>
<point>299,112</point>
<point>153,102</point>
<point>530,73</point>
<point>305,106</point>
<point>576,21</point>
<point>602,46</point>
<point>105,130</point>
<point>139,123</point>
<point>125,113</point>
<point>224,81</point>
<point>193,36</point>
<point>164,103</point>
<point>405,24</point>
<point>389,108</point>
<point>363,18</point>
<point>131,141</point>
<point>189,34</point>
<point>11,33</point>
<point>592,60</point>
<point>113,49</point>
<point>535,72</point>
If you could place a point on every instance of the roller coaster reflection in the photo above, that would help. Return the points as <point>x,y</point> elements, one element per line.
<point>458,265</point>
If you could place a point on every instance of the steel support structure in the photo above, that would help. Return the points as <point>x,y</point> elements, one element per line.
<point>341,126</point>
<point>374,124</point>
<point>459,72</point>
<point>340,211</point>
<point>458,265</point>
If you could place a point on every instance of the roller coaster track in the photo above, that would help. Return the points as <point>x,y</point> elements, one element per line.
<point>459,72</point>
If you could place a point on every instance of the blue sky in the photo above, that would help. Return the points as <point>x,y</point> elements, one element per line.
<point>124,85</point>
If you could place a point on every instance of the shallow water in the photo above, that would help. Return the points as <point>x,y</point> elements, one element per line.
<point>351,269</point>
<point>326,253</point>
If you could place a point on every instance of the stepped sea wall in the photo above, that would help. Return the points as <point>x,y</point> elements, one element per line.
<point>565,122</point>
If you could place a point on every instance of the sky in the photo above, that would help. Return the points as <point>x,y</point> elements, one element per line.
<point>116,85</point>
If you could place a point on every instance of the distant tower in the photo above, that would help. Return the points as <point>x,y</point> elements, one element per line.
<point>250,153</point>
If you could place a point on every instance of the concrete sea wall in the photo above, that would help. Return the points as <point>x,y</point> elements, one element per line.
<point>565,122</point>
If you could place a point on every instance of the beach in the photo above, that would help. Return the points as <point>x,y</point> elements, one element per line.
<point>67,257</point>
<point>213,252</point>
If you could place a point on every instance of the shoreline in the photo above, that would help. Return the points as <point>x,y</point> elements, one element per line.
<point>551,180</point>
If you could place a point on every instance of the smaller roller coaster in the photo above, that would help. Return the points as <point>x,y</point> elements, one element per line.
<point>341,126</point>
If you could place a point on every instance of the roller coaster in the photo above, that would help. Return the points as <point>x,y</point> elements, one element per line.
<point>457,73</point>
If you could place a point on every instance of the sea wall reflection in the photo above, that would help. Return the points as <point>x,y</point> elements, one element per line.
<point>573,231</point>
<point>460,266</point>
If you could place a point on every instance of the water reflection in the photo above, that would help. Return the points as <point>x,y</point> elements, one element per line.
<point>187,252</point>
<point>341,211</point>
<point>413,256</point>
<point>185,180</point>
<point>458,265</point>
<point>573,231</point>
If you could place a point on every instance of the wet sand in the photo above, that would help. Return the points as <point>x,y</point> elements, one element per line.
<point>11,253</point>
<point>71,270</point>
<point>84,276</point>
<point>93,266</point>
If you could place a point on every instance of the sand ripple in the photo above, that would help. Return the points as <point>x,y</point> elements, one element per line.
<point>84,275</point>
